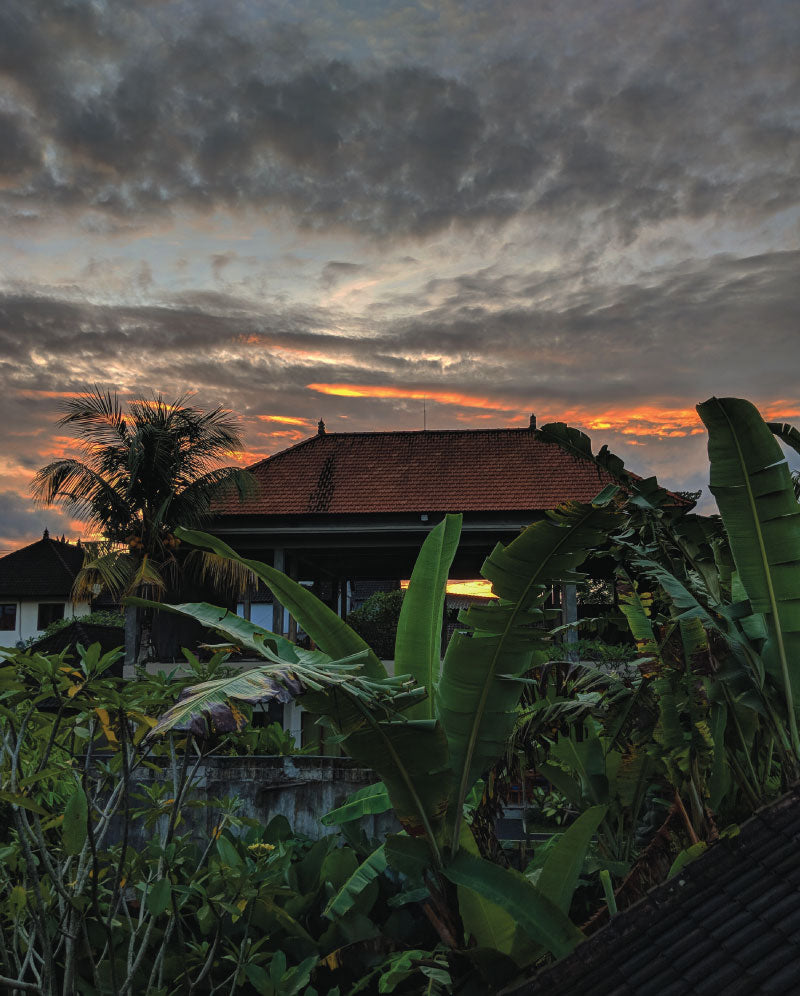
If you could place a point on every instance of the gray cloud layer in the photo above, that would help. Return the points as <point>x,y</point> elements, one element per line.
<point>687,325</point>
<point>130,111</point>
<point>386,138</point>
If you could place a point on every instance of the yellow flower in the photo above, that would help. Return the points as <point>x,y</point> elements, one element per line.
<point>260,850</point>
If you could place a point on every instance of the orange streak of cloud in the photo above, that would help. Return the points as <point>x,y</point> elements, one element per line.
<point>285,420</point>
<point>443,397</point>
<point>662,421</point>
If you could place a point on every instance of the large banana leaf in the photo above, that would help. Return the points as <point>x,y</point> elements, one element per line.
<point>326,629</point>
<point>537,915</point>
<point>366,873</point>
<point>490,925</point>
<point>419,628</point>
<point>751,481</point>
<point>788,433</point>
<point>241,632</point>
<point>365,802</point>
<point>477,694</point>
<point>214,706</point>
<point>411,758</point>
<point>559,876</point>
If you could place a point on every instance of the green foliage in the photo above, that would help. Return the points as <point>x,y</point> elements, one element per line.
<point>376,621</point>
<point>102,617</point>
<point>696,720</point>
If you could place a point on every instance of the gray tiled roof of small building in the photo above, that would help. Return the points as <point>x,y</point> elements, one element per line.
<point>44,569</point>
<point>728,923</point>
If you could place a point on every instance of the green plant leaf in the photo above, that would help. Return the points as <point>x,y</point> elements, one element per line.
<point>241,632</point>
<point>559,876</point>
<point>323,625</point>
<point>540,918</point>
<point>18,799</point>
<point>215,706</point>
<point>76,814</point>
<point>411,758</point>
<point>751,481</point>
<point>365,802</point>
<point>687,855</point>
<point>477,696</point>
<point>788,433</point>
<point>489,924</point>
<point>159,896</point>
<point>348,894</point>
<point>408,855</point>
<point>419,629</point>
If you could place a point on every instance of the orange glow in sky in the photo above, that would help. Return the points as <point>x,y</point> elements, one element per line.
<point>663,421</point>
<point>284,420</point>
<point>443,397</point>
<point>479,588</point>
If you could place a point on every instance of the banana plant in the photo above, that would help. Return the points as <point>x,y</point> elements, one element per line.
<point>751,481</point>
<point>429,755</point>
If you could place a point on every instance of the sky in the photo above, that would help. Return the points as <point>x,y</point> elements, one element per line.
<point>587,209</point>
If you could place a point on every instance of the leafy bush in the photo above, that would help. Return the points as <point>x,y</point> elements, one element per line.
<point>376,621</point>
<point>102,617</point>
<point>104,890</point>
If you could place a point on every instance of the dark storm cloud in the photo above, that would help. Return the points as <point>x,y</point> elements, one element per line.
<point>142,112</point>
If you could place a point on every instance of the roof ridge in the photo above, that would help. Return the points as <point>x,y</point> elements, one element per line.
<point>289,449</point>
<point>64,564</point>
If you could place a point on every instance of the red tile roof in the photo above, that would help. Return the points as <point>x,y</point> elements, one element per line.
<point>462,470</point>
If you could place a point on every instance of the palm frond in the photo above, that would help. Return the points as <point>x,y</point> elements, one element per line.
<point>97,415</point>
<point>107,568</point>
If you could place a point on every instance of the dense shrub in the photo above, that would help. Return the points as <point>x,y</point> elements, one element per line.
<point>376,621</point>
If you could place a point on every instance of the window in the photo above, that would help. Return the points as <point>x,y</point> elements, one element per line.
<point>8,617</point>
<point>49,612</point>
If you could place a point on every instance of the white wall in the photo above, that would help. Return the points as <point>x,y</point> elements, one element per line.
<point>27,617</point>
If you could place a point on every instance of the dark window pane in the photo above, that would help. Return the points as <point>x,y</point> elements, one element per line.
<point>8,617</point>
<point>49,612</point>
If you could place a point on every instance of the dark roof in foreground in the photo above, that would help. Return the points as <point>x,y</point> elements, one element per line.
<point>45,569</point>
<point>109,637</point>
<point>728,924</point>
<point>459,470</point>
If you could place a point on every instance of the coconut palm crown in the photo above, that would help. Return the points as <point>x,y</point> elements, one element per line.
<point>145,471</point>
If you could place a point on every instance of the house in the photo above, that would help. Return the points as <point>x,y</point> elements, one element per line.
<point>341,507</point>
<point>36,588</point>
<point>728,924</point>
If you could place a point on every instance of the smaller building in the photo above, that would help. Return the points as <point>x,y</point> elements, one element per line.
<point>36,588</point>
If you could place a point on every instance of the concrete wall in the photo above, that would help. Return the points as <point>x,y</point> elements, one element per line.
<point>27,618</point>
<point>300,788</point>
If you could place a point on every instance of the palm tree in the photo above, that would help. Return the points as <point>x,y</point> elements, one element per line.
<point>144,472</point>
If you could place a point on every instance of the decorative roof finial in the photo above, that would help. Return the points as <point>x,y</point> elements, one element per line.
<point>532,426</point>
<point>320,428</point>
<point>46,533</point>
